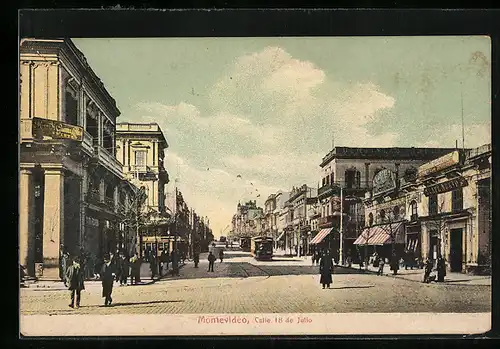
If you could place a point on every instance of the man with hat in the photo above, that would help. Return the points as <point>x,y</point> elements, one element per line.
<point>74,280</point>
<point>107,278</point>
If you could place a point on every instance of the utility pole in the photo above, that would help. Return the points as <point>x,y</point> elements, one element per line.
<point>341,245</point>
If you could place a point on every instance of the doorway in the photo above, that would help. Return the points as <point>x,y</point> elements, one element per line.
<point>456,246</point>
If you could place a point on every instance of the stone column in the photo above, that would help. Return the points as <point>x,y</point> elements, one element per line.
<point>53,95</point>
<point>26,221</point>
<point>26,81</point>
<point>53,222</point>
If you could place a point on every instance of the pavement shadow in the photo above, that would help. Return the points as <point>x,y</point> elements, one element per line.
<point>123,304</point>
<point>347,287</point>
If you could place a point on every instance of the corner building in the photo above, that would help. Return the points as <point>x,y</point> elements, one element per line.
<point>70,180</point>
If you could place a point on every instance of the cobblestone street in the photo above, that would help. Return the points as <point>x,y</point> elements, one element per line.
<point>242,285</point>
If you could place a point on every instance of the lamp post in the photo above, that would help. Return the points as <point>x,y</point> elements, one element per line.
<point>341,244</point>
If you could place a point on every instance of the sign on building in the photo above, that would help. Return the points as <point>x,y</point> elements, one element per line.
<point>446,186</point>
<point>384,181</point>
<point>56,130</point>
<point>439,164</point>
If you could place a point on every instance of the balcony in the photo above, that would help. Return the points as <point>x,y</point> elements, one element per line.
<point>328,190</point>
<point>88,142</point>
<point>93,197</point>
<point>108,161</point>
<point>109,203</point>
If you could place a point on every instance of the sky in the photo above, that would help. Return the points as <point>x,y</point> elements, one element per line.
<point>246,117</point>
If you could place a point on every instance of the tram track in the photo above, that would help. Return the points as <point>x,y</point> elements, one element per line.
<point>242,266</point>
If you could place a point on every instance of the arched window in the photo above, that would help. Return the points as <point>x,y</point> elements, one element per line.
<point>382,214</point>
<point>413,206</point>
<point>395,212</point>
<point>370,219</point>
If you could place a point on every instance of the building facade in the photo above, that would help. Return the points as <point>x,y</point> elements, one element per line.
<point>141,150</point>
<point>248,221</point>
<point>300,201</point>
<point>353,170</point>
<point>444,207</point>
<point>70,181</point>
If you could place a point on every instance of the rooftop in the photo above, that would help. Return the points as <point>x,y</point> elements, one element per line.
<point>394,153</point>
<point>41,46</point>
<point>141,129</point>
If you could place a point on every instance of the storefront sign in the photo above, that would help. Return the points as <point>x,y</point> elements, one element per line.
<point>388,206</point>
<point>446,186</point>
<point>384,181</point>
<point>439,164</point>
<point>56,130</point>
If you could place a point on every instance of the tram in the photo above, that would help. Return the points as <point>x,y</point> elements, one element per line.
<point>163,243</point>
<point>262,248</point>
<point>245,244</point>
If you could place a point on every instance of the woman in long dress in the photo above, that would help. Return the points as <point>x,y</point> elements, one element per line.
<point>326,270</point>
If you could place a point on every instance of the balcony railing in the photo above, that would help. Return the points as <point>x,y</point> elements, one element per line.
<point>88,142</point>
<point>93,197</point>
<point>109,161</point>
<point>109,203</point>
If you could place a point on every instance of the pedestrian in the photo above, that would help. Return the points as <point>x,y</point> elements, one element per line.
<point>196,259</point>
<point>211,261</point>
<point>441,269</point>
<point>221,255</point>
<point>381,264</point>
<point>163,260</point>
<point>326,269</point>
<point>167,259</point>
<point>63,264</point>
<point>153,266</point>
<point>107,278</point>
<point>124,268</point>
<point>427,270</point>
<point>75,279</point>
<point>394,263</point>
<point>135,266</point>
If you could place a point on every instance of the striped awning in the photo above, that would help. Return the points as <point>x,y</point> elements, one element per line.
<point>382,235</point>
<point>320,236</point>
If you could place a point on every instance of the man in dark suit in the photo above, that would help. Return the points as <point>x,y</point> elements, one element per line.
<point>107,278</point>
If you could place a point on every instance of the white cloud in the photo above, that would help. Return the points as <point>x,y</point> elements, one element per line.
<point>271,122</point>
<point>475,135</point>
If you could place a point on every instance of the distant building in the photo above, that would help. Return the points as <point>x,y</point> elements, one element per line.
<point>248,220</point>
<point>300,202</point>
<point>354,169</point>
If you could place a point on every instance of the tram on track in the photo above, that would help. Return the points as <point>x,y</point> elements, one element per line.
<point>245,244</point>
<point>262,248</point>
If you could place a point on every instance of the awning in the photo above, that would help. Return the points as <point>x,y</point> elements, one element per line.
<point>382,235</point>
<point>321,235</point>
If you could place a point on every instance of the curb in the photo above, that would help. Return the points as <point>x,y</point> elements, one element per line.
<point>401,276</point>
<point>57,287</point>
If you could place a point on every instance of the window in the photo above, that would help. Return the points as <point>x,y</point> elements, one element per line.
<point>370,219</point>
<point>413,206</point>
<point>140,158</point>
<point>457,200</point>
<point>71,106</point>
<point>382,214</point>
<point>332,178</point>
<point>352,178</point>
<point>395,212</point>
<point>433,204</point>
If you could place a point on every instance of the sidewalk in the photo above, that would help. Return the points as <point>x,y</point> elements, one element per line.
<point>417,275</point>
<point>59,285</point>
